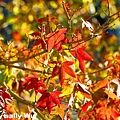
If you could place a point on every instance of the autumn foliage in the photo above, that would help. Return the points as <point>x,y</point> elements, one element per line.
<point>55,72</point>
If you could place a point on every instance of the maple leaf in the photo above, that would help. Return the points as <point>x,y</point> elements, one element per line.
<point>55,39</point>
<point>49,99</point>
<point>41,20</point>
<point>37,40</point>
<point>81,55</point>
<point>61,70</point>
<point>76,40</point>
<point>33,82</point>
<point>68,69</point>
<point>65,68</point>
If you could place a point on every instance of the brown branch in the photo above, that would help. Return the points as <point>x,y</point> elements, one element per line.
<point>64,7</point>
<point>98,70</point>
<point>67,14</point>
<point>22,60</point>
<point>23,68</point>
<point>26,102</point>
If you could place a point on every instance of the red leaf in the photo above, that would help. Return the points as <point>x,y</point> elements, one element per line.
<point>48,100</point>
<point>65,68</point>
<point>36,33</point>
<point>55,71</point>
<point>38,42</point>
<point>43,99</point>
<point>68,69</point>
<point>60,38</point>
<point>55,39</point>
<point>86,105</point>
<point>50,104</point>
<point>81,56</point>
<point>61,75</point>
<point>3,97</point>
<point>81,62</point>
<point>68,63</point>
<point>76,40</point>
<point>84,54</point>
<point>115,114</point>
<point>58,47</point>
<point>33,82</point>
<point>42,19</point>
<point>73,52</point>
<point>118,57</point>
<point>51,42</point>
<point>55,97</point>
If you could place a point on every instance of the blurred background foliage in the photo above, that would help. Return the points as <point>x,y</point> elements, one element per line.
<point>18,20</point>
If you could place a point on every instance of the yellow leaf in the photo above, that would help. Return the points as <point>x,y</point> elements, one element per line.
<point>77,105</point>
<point>111,94</point>
<point>60,111</point>
<point>79,95</point>
<point>67,90</point>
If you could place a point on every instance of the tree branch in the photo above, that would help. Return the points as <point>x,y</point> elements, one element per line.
<point>20,99</point>
<point>22,60</point>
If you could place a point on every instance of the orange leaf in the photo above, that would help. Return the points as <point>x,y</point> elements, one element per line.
<point>111,94</point>
<point>100,84</point>
<point>68,69</point>
<point>54,39</point>
<point>60,110</point>
<point>16,36</point>
<point>51,42</point>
